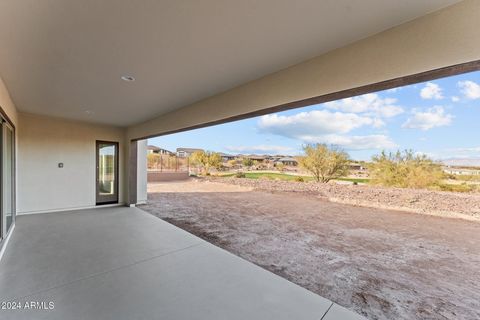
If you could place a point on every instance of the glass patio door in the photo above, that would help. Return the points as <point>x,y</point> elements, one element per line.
<point>107,172</point>
<point>7,178</point>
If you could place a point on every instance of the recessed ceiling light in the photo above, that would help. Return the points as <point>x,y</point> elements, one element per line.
<point>128,78</point>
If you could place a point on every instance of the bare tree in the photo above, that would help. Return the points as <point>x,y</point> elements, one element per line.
<point>323,162</point>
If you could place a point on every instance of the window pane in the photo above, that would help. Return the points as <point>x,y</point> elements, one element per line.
<point>106,169</point>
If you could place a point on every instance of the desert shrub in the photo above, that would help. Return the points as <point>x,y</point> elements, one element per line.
<point>261,166</point>
<point>240,175</point>
<point>247,162</point>
<point>299,179</point>
<point>232,163</point>
<point>451,176</point>
<point>206,160</point>
<point>405,170</point>
<point>153,159</point>
<point>323,162</point>
<point>463,187</point>
<point>467,177</point>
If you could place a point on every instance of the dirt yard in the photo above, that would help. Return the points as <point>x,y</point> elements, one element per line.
<point>381,263</point>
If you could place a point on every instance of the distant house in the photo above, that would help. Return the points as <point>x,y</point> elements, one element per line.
<point>152,149</point>
<point>158,150</point>
<point>227,157</point>
<point>187,152</point>
<point>255,157</point>
<point>356,167</point>
<point>288,161</point>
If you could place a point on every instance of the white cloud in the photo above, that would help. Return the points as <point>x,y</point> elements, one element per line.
<point>317,122</point>
<point>370,104</point>
<point>259,149</point>
<point>455,99</point>
<point>378,123</point>
<point>431,91</point>
<point>323,126</point>
<point>469,89</point>
<point>433,117</point>
<point>368,142</point>
<point>393,90</point>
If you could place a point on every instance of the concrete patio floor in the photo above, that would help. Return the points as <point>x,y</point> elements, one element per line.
<point>122,263</point>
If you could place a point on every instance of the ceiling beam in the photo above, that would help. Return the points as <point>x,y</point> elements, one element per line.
<point>441,39</point>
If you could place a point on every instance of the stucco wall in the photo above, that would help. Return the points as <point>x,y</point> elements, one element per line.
<point>43,142</point>
<point>444,38</point>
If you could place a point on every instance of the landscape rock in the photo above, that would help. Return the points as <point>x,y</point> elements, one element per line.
<point>449,204</point>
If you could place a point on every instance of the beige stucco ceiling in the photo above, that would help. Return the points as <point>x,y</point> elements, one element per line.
<point>65,58</point>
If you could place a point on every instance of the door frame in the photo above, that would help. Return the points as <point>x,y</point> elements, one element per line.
<point>4,234</point>
<point>98,202</point>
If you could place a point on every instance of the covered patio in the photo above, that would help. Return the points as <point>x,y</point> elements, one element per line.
<point>122,263</point>
<point>83,84</point>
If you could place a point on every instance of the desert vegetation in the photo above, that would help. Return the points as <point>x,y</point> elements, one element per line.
<point>323,162</point>
<point>206,160</point>
<point>156,161</point>
<point>405,170</point>
<point>247,162</point>
<point>152,160</point>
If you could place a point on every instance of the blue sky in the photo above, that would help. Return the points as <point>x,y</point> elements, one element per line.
<point>439,118</point>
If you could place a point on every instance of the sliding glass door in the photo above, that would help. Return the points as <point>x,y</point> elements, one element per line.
<point>107,172</point>
<point>7,167</point>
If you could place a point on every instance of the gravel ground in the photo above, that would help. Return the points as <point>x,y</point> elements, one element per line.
<point>383,264</point>
<point>446,204</point>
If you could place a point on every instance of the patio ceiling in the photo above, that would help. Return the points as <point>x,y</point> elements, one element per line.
<point>66,59</point>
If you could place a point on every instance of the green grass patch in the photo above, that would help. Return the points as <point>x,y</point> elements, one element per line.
<point>268,175</point>
<point>463,177</point>
<point>286,177</point>
<point>275,176</point>
<point>458,187</point>
<point>357,180</point>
